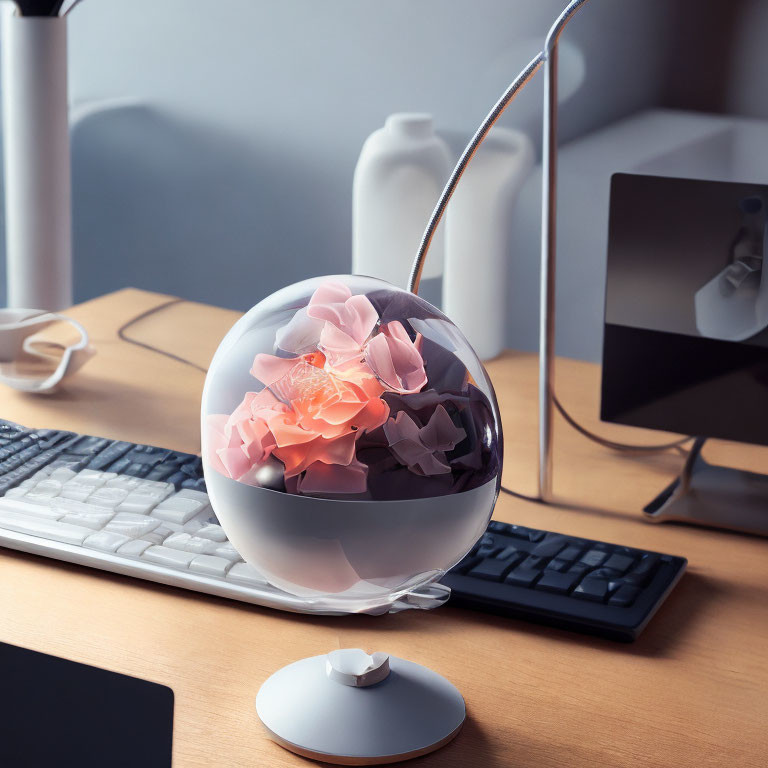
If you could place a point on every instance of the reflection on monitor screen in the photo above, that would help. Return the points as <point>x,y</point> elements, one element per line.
<point>686,314</point>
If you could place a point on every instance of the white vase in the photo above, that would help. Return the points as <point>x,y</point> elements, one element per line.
<point>37,164</point>
<point>477,239</point>
<point>398,179</point>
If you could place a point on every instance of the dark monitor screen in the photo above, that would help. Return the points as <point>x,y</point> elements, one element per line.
<point>55,712</point>
<point>686,311</point>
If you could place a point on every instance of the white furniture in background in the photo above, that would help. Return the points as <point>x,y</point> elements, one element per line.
<point>477,239</point>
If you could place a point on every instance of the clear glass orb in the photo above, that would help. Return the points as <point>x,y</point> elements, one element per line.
<point>351,441</point>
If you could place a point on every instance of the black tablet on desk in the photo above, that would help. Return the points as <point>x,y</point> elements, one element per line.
<point>58,713</point>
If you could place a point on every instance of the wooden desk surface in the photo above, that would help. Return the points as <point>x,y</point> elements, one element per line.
<point>692,691</point>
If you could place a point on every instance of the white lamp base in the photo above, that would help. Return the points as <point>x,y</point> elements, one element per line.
<point>350,708</point>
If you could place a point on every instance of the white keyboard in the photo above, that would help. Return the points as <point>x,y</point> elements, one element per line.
<point>136,510</point>
<point>128,525</point>
<point>146,529</point>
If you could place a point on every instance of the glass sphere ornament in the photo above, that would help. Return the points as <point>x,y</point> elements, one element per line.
<point>351,442</point>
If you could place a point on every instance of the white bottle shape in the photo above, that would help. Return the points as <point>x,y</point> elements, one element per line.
<point>398,179</point>
<point>477,239</point>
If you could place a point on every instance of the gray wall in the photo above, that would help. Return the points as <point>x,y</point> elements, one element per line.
<point>213,144</point>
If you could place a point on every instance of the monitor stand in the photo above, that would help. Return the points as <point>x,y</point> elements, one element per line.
<point>720,497</point>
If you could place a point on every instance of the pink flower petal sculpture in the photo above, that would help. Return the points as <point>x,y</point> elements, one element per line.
<point>351,442</point>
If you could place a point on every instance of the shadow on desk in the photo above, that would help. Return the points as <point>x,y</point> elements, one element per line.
<point>675,620</point>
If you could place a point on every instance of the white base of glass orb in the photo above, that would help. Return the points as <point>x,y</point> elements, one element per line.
<point>349,556</point>
<point>349,708</point>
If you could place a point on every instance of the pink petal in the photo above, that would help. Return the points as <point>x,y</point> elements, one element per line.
<point>268,368</point>
<point>361,318</point>
<point>354,315</point>
<point>216,440</point>
<point>395,359</point>
<point>338,346</point>
<point>300,335</point>
<point>330,292</point>
<point>327,303</point>
<point>235,461</point>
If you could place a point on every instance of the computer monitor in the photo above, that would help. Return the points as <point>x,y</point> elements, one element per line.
<point>686,311</point>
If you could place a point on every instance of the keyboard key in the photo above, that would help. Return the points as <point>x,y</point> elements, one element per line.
<point>467,563</point>
<point>625,595</point>
<point>522,576</point>
<point>106,541</point>
<point>553,581</point>
<point>72,505</point>
<point>592,589</point>
<point>228,552</point>
<point>557,565</point>
<point>49,487</point>
<point>212,532</point>
<point>535,563</point>
<point>133,548</point>
<point>594,557</point>
<point>62,474</point>
<point>74,490</point>
<point>46,529</point>
<point>124,482</point>
<point>529,534</point>
<point>23,507</point>
<point>95,519</point>
<point>86,445</point>
<point>243,573</point>
<point>157,489</point>
<point>609,574</point>
<point>158,536</point>
<point>618,562</point>
<point>108,497</point>
<point>91,477</point>
<point>138,503</point>
<point>209,565</point>
<point>132,525</point>
<point>180,508</point>
<point>173,558</point>
<point>193,526</point>
<point>570,553</point>
<point>511,555</point>
<point>642,573</point>
<point>110,454</point>
<point>491,570</point>
<point>550,546</point>
<point>187,543</point>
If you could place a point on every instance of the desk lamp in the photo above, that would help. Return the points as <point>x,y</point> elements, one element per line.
<point>344,421</point>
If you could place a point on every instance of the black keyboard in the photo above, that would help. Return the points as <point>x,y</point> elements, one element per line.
<point>25,451</point>
<point>564,581</point>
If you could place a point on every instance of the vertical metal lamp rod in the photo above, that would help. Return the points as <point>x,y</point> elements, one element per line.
<point>548,215</point>
<point>547,274</point>
<point>549,252</point>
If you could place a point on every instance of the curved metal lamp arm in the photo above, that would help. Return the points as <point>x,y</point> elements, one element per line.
<point>548,57</point>
<point>426,240</point>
